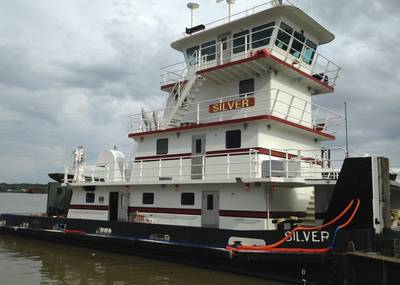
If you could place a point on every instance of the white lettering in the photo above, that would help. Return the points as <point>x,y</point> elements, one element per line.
<point>290,238</point>
<point>315,237</point>
<point>306,236</point>
<point>324,236</point>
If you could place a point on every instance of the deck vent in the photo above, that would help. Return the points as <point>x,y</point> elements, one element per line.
<point>104,231</point>
<point>3,223</point>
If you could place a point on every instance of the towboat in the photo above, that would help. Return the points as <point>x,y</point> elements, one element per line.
<point>231,173</point>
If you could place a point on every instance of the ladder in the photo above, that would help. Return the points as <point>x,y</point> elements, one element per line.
<point>184,93</point>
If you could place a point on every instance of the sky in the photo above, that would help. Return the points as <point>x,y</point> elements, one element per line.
<point>71,71</point>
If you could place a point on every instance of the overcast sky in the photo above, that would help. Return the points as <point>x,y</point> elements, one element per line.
<point>72,71</point>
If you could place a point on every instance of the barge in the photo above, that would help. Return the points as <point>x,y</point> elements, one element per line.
<point>231,173</point>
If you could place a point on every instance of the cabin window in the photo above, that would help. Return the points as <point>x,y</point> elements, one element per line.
<point>210,202</point>
<point>246,87</point>
<point>208,50</point>
<point>233,139</point>
<point>162,146</point>
<point>284,35</point>
<point>198,145</point>
<point>148,198</point>
<point>192,55</point>
<point>187,199</point>
<point>240,40</point>
<point>89,197</point>
<point>309,51</point>
<point>101,199</point>
<point>297,44</point>
<point>261,35</point>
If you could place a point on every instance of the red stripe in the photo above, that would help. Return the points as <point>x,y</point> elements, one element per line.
<point>89,207</point>
<point>197,212</point>
<point>216,153</point>
<point>233,121</point>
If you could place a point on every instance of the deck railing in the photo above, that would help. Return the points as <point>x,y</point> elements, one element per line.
<point>307,59</point>
<point>249,164</point>
<point>273,102</point>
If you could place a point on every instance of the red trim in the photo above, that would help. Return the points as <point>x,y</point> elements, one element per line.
<point>233,121</point>
<point>258,55</point>
<point>172,85</point>
<point>216,153</point>
<point>180,211</point>
<point>197,212</point>
<point>89,207</point>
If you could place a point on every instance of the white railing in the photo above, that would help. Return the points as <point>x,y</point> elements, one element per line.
<point>251,164</point>
<point>307,60</point>
<point>244,13</point>
<point>273,102</point>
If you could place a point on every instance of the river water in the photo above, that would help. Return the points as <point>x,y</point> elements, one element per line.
<point>24,261</point>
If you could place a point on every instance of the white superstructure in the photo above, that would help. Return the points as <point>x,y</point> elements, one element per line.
<point>238,140</point>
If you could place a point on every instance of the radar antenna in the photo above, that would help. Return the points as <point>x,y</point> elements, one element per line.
<point>230,4</point>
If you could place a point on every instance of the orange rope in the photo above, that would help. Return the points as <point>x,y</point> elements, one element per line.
<point>273,247</point>
<point>278,243</point>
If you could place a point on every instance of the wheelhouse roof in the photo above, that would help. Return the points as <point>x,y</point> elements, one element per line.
<point>293,13</point>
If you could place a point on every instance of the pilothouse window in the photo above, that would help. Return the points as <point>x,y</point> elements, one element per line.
<point>309,51</point>
<point>192,55</point>
<point>240,40</point>
<point>261,35</point>
<point>284,35</point>
<point>208,50</point>
<point>297,44</point>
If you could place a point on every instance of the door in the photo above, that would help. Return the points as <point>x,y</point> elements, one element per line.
<point>123,205</point>
<point>224,48</point>
<point>210,209</point>
<point>198,156</point>
<point>113,206</point>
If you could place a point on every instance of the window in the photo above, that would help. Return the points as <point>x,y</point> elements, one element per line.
<point>148,198</point>
<point>297,44</point>
<point>208,50</point>
<point>246,87</point>
<point>198,146</point>
<point>210,202</point>
<point>101,199</point>
<point>233,139</point>
<point>239,41</point>
<point>261,35</point>
<point>309,51</point>
<point>162,146</point>
<point>187,199</point>
<point>284,35</point>
<point>192,55</point>
<point>89,197</point>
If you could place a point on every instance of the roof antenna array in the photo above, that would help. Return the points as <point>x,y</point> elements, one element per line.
<point>230,3</point>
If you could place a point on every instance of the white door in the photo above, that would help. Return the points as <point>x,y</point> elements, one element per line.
<point>210,209</point>
<point>224,48</point>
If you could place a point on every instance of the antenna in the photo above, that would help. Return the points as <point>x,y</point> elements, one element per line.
<point>192,6</point>
<point>345,121</point>
<point>230,3</point>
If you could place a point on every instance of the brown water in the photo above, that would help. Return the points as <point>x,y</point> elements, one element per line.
<point>24,261</point>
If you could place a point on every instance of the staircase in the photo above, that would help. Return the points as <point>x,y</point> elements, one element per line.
<point>309,219</point>
<point>185,93</point>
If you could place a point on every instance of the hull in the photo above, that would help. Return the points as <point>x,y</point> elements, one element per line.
<point>203,247</point>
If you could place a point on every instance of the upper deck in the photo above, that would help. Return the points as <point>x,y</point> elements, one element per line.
<point>281,38</point>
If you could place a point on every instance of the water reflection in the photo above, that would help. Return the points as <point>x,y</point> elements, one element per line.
<point>25,261</point>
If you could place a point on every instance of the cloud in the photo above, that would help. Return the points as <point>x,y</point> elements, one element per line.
<point>72,71</point>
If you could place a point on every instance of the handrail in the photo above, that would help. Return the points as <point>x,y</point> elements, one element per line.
<point>269,102</point>
<point>319,63</point>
